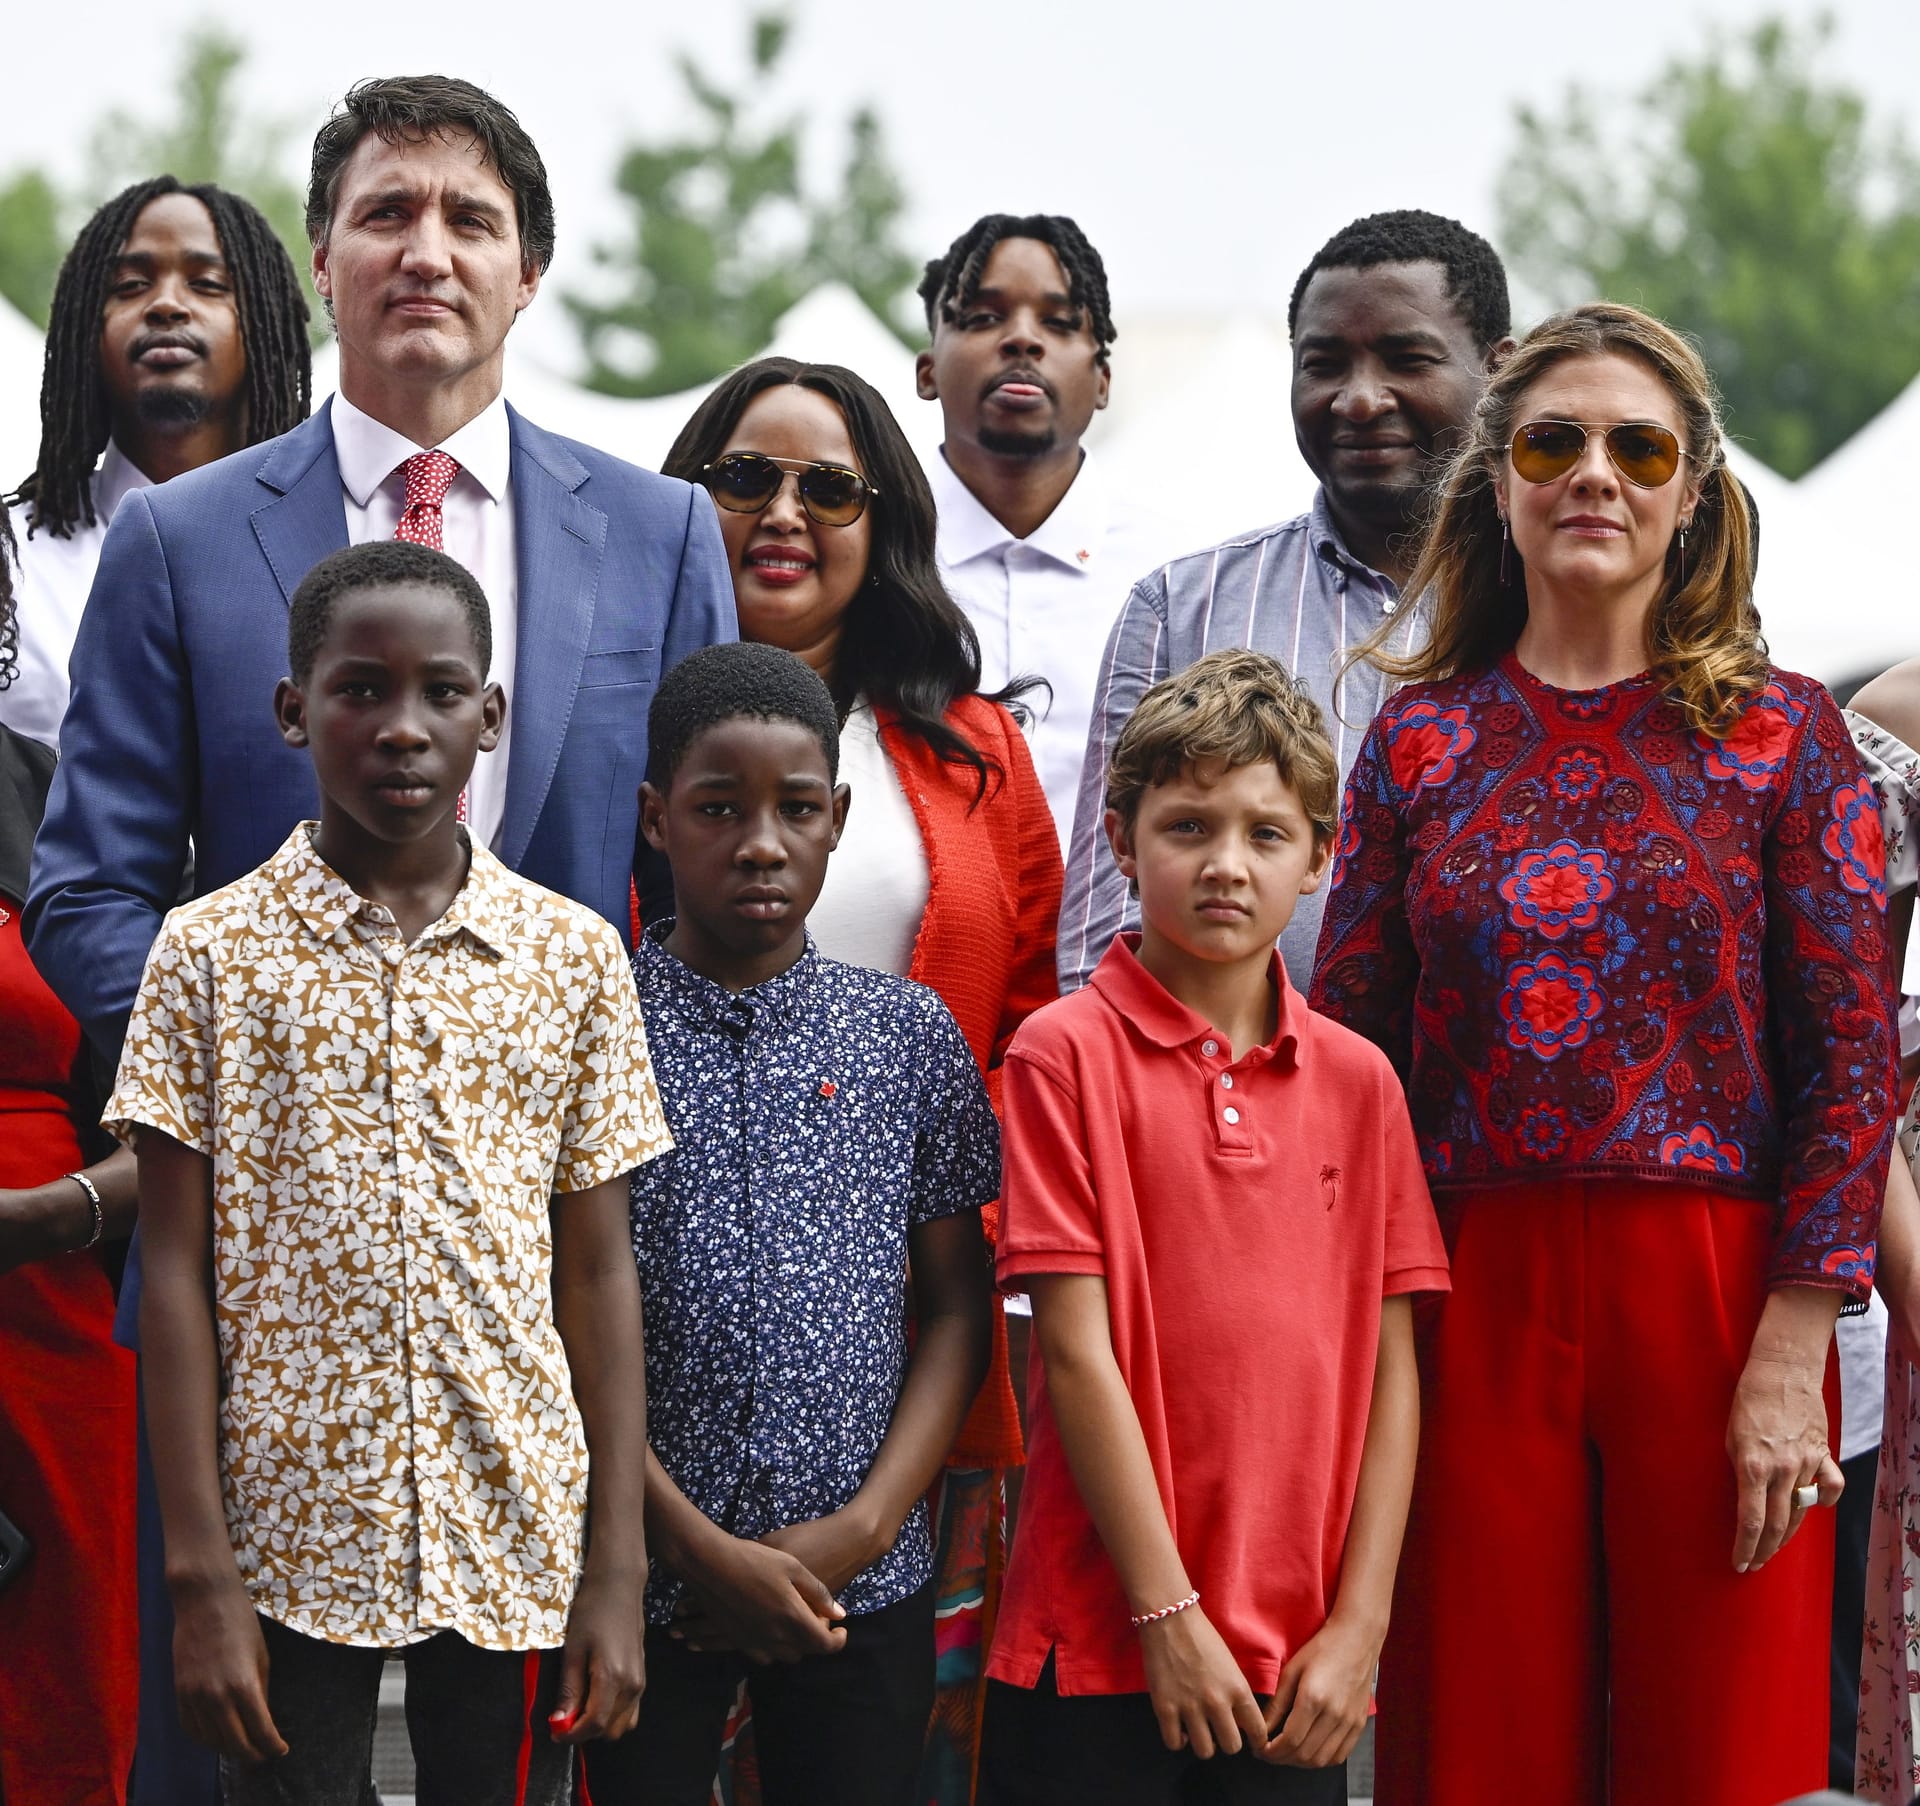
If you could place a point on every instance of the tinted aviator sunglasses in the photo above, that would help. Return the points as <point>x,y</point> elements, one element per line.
<point>745,482</point>
<point>1643,452</point>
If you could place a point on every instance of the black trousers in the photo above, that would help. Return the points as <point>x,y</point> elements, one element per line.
<point>1852,1531</point>
<point>1038,1748</point>
<point>835,1730</point>
<point>477,1719</point>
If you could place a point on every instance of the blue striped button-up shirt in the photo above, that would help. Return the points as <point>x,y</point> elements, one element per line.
<point>1292,590</point>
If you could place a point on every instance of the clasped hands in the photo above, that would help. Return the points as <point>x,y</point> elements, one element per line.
<point>772,1598</point>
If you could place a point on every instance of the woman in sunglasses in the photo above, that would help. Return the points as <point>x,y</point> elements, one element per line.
<point>949,870</point>
<point>1610,892</point>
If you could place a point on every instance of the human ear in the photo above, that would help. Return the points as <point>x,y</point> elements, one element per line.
<point>322,277</point>
<point>1103,386</point>
<point>653,816</point>
<point>1497,354</point>
<point>1120,839</point>
<point>842,802</point>
<point>493,716</point>
<point>923,382</point>
<point>1318,866</point>
<point>290,712</point>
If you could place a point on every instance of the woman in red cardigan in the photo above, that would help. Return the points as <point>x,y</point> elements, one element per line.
<point>949,870</point>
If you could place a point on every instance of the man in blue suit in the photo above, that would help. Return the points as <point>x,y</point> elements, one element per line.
<point>431,224</point>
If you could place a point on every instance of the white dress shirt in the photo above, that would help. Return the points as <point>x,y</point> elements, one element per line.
<point>875,895</point>
<point>50,592</point>
<point>1043,605</point>
<point>477,529</point>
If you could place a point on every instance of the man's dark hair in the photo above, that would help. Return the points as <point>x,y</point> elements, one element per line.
<point>412,108</point>
<point>723,683</point>
<point>952,283</point>
<point>1476,278</point>
<point>9,607</point>
<point>74,418</point>
<point>379,564</point>
<point>904,644</point>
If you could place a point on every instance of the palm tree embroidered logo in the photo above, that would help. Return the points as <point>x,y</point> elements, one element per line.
<point>1330,1185</point>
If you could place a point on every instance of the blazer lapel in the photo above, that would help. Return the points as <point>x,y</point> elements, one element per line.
<point>303,519</point>
<point>560,541</point>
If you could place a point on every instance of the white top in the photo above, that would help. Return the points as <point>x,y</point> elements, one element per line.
<point>1044,605</point>
<point>477,529</point>
<point>875,896</point>
<point>50,591</point>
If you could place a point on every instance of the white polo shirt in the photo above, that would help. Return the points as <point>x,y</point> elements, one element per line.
<point>1044,605</point>
<point>51,587</point>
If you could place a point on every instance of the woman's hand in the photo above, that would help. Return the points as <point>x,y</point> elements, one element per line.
<point>1200,1697</point>
<point>761,1601</point>
<point>1777,1433</point>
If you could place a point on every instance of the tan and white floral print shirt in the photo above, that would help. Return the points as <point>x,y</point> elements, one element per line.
<point>399,1446</point>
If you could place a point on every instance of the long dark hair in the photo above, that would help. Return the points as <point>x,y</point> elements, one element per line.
<point>9,617</point>
<point>904,645</point>
<point>74,422</point>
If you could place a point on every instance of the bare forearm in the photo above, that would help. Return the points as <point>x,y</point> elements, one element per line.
<point>1796,1325</point>
<point>1385,1486</point>
<point>1106,1452</point>
<point>678,1531</point>
<point>57,1217</point>
<point>949,1362</point>
<point>596,1309</point>
<point>180,1367</point>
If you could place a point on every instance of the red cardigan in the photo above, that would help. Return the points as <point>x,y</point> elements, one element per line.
<point>985,944</point>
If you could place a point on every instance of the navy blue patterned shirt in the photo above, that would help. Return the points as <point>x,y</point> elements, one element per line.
<point>816,1118</point>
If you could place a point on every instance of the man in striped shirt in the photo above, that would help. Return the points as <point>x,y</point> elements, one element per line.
<point>1396,324</point>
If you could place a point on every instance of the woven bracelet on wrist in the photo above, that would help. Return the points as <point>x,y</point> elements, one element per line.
<point>1166,1611</point>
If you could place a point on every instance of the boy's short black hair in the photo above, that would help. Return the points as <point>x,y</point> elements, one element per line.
<point>722,683</point>
<point>1476,278</point>
<point>380,563</point>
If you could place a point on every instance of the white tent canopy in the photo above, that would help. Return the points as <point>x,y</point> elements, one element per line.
<point>1200,430</point>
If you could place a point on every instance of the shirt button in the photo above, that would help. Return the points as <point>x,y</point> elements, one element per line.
<point>1209,1048</point>
<point>1231,1114</point>
<point>1226,1081</point>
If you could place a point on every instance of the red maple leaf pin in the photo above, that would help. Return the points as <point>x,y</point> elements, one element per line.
<point>828,1088</point>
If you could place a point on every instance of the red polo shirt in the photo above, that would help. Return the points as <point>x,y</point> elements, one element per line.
<point>1248,1216</point>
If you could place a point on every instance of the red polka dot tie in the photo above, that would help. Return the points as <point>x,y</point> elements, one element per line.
<point>428,475</point>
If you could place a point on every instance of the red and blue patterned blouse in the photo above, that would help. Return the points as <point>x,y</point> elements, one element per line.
<point>1595,941</point>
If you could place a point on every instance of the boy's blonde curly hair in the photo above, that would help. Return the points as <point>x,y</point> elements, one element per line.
<point>1237,707</point>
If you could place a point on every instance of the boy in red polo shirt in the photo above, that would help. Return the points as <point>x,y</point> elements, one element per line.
<point>1213,1197</point>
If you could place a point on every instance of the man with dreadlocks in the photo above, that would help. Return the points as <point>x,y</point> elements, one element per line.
<point>1031,542</point>
<point>179,334</point>
<point>1396,323</point>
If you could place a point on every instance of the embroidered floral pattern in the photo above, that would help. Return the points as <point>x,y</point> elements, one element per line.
<point>1543,1131</point>
<point>1425,744</point>
<point>1702,1149</point>
<point>1759,744</point>
<point>1577,774</point>
<point>1550,1004</point>
<point>1557,889</point>
<point>1853,839</point>
<point>399,1447</point>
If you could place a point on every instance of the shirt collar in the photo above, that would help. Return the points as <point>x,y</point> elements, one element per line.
<point>1144,1002</point>
<point>1072,536</point>
<point>663,974</point>
<point>369,451</point>
<point>116,479</point>
<point>1333,549</point>
<point>485,905</point>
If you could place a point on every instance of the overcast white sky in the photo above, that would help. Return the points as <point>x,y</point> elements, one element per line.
<point>1206,146</point>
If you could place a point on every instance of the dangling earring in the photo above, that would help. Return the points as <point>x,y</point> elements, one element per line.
<point>1503,551</point>
<point>1683,554</point>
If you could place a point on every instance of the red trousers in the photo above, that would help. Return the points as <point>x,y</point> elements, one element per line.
<point>1568,1626</point>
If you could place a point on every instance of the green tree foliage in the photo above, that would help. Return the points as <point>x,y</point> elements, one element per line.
<point>207,138</point>
<point>1751,203</point>
<point>31,244</point>
<point>726,237</point>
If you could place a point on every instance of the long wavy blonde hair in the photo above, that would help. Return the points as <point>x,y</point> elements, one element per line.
<point>1703,634</point>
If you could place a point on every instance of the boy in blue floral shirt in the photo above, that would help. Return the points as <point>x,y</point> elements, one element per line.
<point>830,1125</point>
